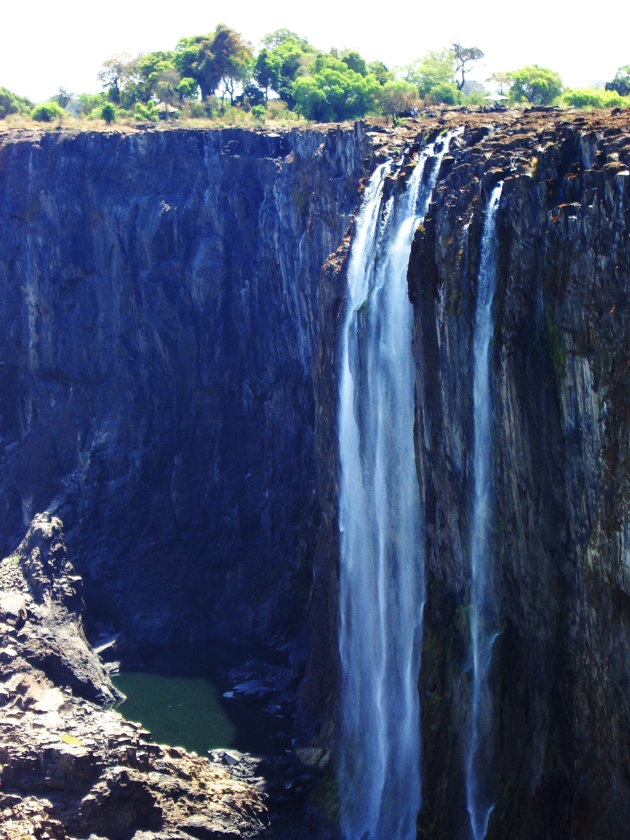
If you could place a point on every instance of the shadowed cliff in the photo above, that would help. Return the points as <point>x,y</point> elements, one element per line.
<point>160,324</point>
<point>158,318</point>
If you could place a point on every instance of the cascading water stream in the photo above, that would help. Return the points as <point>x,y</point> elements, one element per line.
<point>381,520</point>
<point>483,617</point>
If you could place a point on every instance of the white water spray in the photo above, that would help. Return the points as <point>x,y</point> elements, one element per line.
<point>483,610</point>
<point>381,520</point>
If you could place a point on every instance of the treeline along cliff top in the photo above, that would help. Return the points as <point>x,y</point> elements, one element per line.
<point>221,77</point>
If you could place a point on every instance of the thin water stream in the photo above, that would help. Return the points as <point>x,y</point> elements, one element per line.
<point>484,622</point>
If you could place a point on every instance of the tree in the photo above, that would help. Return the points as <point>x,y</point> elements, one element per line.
<point>108,113</point>
<point>221,59</point>
<point>63,97</point>
<point>396,97</point>
<point>281,36</point>
<point>334,94</point>
<point>503,80</point>
<point>436,68</point>
<point>465,56</point>
<point>47,112</point>
<point>11,103</point>
<point>278,65</point>
<point>233,59</point>
<point>113,74</point>
<point>194,59</point>
<point>535,84</point>
<point>380,72</point>
<point>444,93</point>
<point>354,61</point>
<point>621,82</point>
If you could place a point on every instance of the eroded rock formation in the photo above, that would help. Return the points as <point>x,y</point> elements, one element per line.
<point>69,766</point>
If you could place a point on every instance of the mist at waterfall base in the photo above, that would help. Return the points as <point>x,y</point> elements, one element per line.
<point>381,518</point>
<point>483,609</point>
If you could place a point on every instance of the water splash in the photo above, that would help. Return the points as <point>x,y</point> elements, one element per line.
<point>381,521</point>
<point>483,609</point>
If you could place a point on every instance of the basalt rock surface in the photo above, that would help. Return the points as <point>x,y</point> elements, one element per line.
<point>157,326</point>
<point>560,398</point>
<point>156,374</point>
<point>72,768</point>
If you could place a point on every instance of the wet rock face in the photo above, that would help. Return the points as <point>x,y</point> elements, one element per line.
<point>158,319</point>
<point>559,384</point>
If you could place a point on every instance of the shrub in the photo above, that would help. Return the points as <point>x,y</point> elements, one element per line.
<point>108,113</point>
<point>259,112</point>
<point>146,112</point>
<point>589,98</point>
<point>47,112</point>
<point>11,103</point>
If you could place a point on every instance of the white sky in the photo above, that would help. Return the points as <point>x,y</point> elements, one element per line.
<point>46,44</point>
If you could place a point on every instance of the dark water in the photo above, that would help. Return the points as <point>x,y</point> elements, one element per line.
<point>177,696</point>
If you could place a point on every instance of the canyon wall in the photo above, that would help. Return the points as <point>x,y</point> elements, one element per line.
<point>560,383</point>
<point>157,325</point>
<point>169,388</point>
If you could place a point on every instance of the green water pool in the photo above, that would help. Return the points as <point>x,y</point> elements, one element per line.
<point>178,697</point>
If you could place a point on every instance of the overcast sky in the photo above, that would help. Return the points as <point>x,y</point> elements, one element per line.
<point>47,44</point>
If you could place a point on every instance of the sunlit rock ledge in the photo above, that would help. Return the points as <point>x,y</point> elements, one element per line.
<point>70,766</point>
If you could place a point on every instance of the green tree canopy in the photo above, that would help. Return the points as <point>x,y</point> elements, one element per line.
<point>115,72</point>
<point>380,72</point>
<point>354,61</point>
<point>436,68</point>
<point>48,112</point>
<point>621,82</point>
<point>220,60</point>
<point>334,94</point>
<point>279,64</point>
<point>535,84</point>
<point>11,103</point>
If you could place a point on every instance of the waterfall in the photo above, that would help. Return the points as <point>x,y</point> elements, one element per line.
<point>483,617</point>
<point>380,519</point>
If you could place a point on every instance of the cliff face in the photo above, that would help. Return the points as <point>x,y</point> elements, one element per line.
<point>559,389</point>
<point>559,380</point>
<point>159,324</point>
<point>158,319</point>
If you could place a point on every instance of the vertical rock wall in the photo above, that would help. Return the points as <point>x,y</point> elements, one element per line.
<point>559,380</point>
<point>157,324</point>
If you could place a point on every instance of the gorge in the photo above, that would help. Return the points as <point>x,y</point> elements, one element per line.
<point>173,311</point>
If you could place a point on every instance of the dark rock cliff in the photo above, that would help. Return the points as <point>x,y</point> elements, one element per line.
<point>560,401</point>
<point>559,382</point>
<point>157,326</point>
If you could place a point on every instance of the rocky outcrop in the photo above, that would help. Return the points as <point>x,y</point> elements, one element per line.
<point>71,768</point>
<point>158,319</point>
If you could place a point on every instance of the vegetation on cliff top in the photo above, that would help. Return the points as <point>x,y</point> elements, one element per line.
<point>219,76</point>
